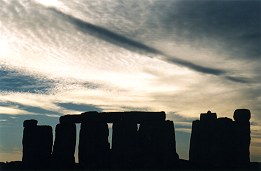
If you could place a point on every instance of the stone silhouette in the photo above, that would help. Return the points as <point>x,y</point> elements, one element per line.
<point>202,138</point>
<point>140,140</point>
<point>124,145</point>
<point>64,146</point>
<point>157,145</point>
<point>221,142</point>
<point>37,145</point>
<point>242,136</point>
<point>93,145</point>
<point>153,146</point>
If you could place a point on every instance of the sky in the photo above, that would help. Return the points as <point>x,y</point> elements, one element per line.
<point>183,57</point>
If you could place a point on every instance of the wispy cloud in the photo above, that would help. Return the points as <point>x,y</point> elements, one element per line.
<point>14,81</point>
<point>125,42</point>
<point>12,110</point>
<point>79,107</point>
<point>120,40</point>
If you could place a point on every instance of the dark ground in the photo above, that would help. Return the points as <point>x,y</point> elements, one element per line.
<point>184,165</point>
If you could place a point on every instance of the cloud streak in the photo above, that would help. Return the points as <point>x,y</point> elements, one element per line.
<point>127,43</point>
<point>138,47</point>
<point>14,81</point>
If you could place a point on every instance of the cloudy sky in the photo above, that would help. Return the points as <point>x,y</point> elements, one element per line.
<point>183,57</point>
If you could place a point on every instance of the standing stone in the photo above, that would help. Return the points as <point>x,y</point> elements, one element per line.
<point>202,140</point>
<point>94,146</point>
<point>195,142</point>
<point>167,146</point>
<point>242,139</point>
<point>37,145</point>
<point>157,145</point>
<point>64,146</point>
<point>124,145</point>
<point>223,144</point>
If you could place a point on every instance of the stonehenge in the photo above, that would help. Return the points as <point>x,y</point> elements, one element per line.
<point>94,152</point>
<point>140,140</point>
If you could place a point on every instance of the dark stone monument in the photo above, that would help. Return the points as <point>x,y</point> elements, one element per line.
<point>140,140</point>
<point>202,139</point>
<point>242,136</point>
<point>93,145</point>
<point>124,145</point>
<point>157,145</point>
<point>70,119</point>
<point>194,148</point>
<point>37,145</point>
<point>223,154</point>
<point>167,146</point>
<point>222,142</point>
<point>64,146</point>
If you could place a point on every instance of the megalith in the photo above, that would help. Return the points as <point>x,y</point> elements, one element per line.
<point>93,144</point>
<point>64,146</point>
<point>37,145</point>
<point>124,145</point>
<point>242,136</point>
<point>157,144</point>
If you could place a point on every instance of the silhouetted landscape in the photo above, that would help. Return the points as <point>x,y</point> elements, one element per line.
<point>140,141</point>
